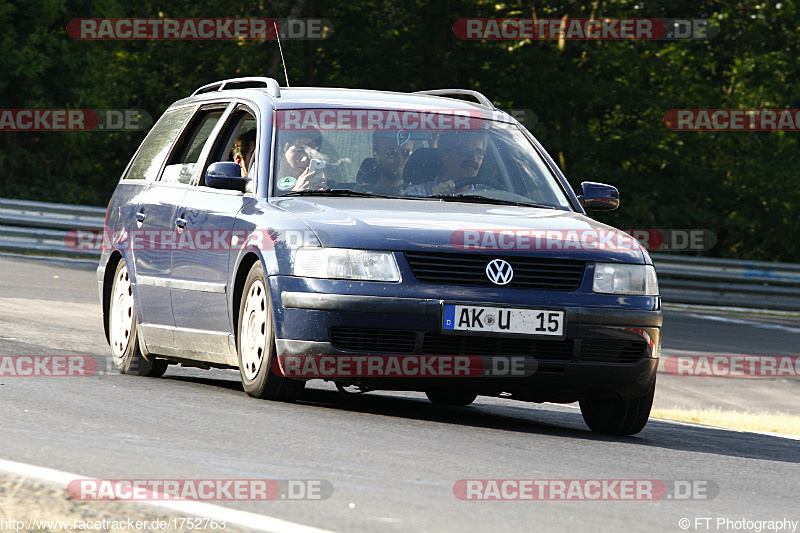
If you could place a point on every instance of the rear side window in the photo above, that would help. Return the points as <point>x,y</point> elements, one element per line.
<point>155,147</point>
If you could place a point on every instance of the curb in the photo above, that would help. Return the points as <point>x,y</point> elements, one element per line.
<point>252,521</point>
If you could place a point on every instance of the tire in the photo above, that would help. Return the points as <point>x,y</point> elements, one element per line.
<point>451,397</point>
<point>123,330</point>
<point>617,416</point>
<point>255,343</point>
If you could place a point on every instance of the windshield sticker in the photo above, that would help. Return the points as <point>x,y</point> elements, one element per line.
<point>286,182</point>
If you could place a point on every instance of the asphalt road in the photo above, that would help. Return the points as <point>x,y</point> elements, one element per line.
<point>392,459</point>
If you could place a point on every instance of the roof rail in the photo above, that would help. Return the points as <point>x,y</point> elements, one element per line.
<point>475,94</point>
<point>271,85</point>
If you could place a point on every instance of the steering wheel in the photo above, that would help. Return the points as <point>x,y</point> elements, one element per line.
<point>488,183</point>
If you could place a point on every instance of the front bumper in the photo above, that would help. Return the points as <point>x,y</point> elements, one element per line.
<point>606,352</point>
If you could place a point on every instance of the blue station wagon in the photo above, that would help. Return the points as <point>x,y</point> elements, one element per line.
<point>379,240</point>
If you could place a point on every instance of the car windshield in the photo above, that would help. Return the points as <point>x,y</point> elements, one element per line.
<point>382,153</point>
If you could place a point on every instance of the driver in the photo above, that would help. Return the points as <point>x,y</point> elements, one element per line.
<point>298,149</point>
<point>462,154</point>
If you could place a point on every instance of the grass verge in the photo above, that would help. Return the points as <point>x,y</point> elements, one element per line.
<point>767,422</point>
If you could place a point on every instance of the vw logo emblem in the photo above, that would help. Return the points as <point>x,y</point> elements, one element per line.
<point>499,272</point>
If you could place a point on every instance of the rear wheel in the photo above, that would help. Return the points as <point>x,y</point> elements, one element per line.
<point>451,397</point>
<point>123,328</point>
<point>616,416</point>
<point>256,343</point>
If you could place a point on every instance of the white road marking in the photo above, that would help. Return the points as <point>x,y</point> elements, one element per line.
<point>755,324</point>
<point>256,522</point>
<point>727,309</point>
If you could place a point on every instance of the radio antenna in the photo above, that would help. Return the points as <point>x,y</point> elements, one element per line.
<point>278,35</point>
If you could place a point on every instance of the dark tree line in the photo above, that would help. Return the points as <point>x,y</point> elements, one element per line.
<point>600,104</point>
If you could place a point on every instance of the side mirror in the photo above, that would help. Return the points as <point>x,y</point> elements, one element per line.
<point>226,175</point>
<point>598,196</point>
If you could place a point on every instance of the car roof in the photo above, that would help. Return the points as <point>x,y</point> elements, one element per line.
<point>330,97</point>
<point>324,97</point>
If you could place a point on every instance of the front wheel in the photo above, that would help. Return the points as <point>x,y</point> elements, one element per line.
<point>616,416</point>
<point>256,343</point>
<point>123,329</point>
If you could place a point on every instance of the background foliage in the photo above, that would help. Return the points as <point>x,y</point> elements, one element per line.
<point>600,105</point>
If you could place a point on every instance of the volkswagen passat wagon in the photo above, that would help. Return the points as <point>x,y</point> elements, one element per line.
<point>379,240</point>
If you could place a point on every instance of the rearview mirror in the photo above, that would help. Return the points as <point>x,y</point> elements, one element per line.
<point>226,175</point>
<point>598,196</point>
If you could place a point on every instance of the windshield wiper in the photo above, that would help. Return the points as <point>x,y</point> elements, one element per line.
<point>336,192</point>
<point>471,198</point>
<point>479,199</point>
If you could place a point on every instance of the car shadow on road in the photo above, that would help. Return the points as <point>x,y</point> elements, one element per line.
<point>540,419</point>
<point>554,420</point>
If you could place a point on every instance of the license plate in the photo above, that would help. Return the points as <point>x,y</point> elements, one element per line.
<point>489,319</point>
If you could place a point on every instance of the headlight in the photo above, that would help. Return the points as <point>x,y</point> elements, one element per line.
<point>341,263</point>
<point>634,280</point>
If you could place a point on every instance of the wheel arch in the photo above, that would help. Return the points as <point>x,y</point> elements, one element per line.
<point>108,281</point>
<point>245,264</point>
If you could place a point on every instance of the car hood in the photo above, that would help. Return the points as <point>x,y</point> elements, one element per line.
<point>430,225</point>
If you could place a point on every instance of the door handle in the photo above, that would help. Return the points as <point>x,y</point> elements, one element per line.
<point>180,222</point>
<point>140,217</point>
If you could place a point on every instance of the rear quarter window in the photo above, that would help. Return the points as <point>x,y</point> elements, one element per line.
<point>148,161</point>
